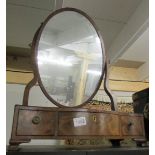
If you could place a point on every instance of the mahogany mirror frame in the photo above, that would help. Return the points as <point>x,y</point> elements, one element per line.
<point>36,78</point>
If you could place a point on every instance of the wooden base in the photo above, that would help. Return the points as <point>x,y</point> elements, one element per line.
<point>63,123</point>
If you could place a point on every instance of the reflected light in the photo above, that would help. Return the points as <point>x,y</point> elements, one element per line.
<point>97,40</point>
<point>94,72</point>
<point>48,60</point>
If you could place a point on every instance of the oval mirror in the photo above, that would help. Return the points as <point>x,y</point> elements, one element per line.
<point>69,58</point>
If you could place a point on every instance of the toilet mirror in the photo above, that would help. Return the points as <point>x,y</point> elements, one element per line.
<point>69,58</point>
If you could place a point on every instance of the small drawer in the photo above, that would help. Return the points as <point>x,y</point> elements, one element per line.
<point>132,126</point>
<point>36,123</point>
<point>90,124</point>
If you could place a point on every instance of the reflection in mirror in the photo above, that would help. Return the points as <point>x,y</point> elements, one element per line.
<point>69,58</point>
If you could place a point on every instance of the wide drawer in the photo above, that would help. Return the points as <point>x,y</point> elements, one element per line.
<point>132,126</point>
<point>36,122</point>
<point>88,123</point>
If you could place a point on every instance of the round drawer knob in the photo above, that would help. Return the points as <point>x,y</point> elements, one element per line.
<point>36,120</point>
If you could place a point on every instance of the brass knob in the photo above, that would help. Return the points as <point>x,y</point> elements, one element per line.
<point>36,120</point>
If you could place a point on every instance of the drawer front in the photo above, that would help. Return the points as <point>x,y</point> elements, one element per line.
<point>36,122</point>
<point>132,126</point>
<point>93,124</point>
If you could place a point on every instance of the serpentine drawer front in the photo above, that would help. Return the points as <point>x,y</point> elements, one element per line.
<point>88,123</point>
<point>132,126</point>
<point>36,122</point>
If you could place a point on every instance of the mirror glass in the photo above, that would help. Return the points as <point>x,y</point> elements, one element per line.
<point>69,58</point>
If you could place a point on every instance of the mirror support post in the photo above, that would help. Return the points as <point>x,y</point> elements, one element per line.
<point>114,106</point>
<point>27,90</point>
<point>34,80</point>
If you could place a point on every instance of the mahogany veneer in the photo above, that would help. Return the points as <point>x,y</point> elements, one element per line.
<point>57,123</point>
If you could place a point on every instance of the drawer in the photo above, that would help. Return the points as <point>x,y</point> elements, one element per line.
<point>36,122</point>
<point>93,124</point>
<point>132,126</point>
